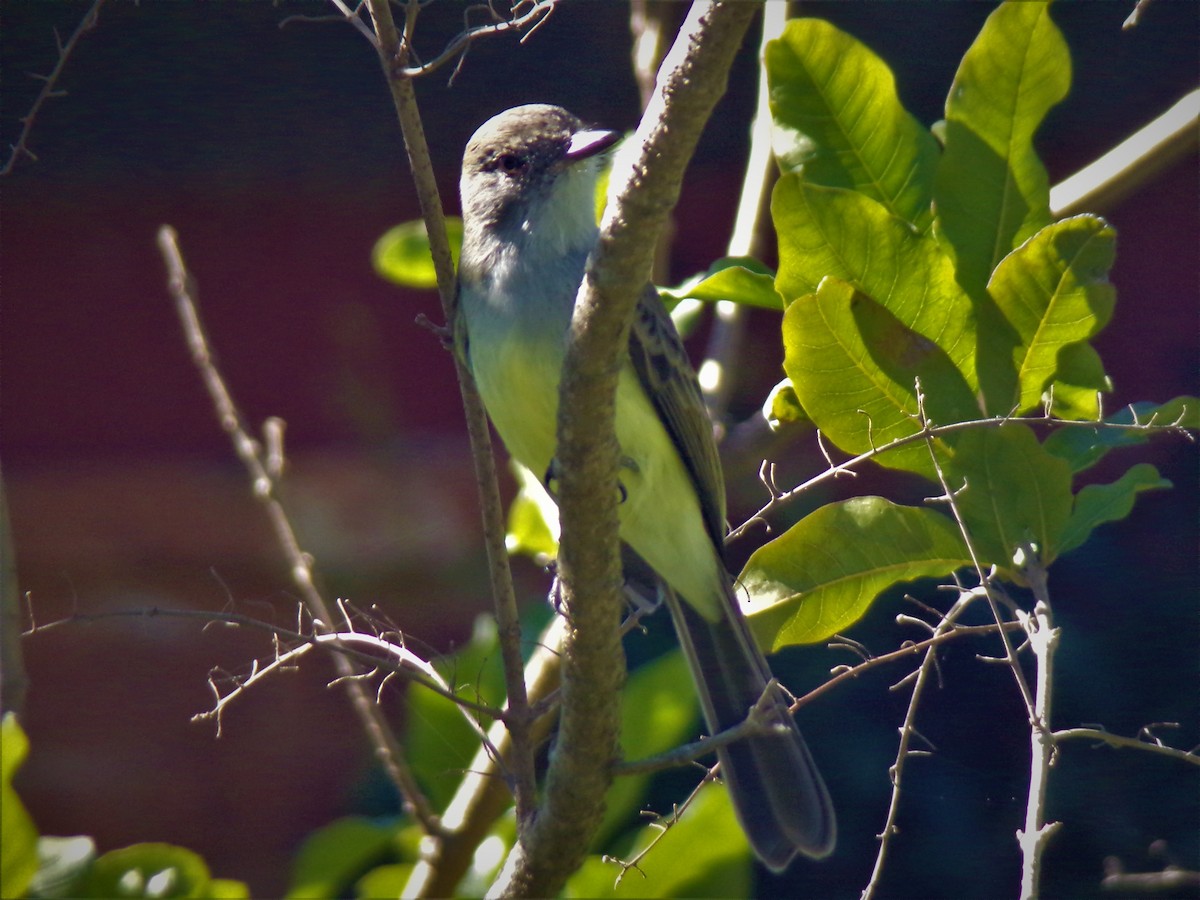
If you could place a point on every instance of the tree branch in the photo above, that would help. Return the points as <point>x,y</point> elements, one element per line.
<point>393,55</point>
<point>692,78</point>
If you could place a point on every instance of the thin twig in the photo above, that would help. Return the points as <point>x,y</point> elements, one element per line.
<point>21,147</point>
<point>387,748</point>
<point>781,497</point>
<point>1120,742</point>
<point>908,729</point>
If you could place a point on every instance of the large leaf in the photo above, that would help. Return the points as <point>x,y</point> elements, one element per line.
<point>1100,503</point>
<point>1054,292</point>
<point>832,232</point>
<point>821,575</point>
<point>1083,446</point>
<point>854,368</point>
<point>839,122</point>
<point>991,191</point>
<point>1011,492</point>
<point>704,854</point>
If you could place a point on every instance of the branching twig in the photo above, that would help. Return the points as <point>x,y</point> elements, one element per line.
<point>1119,741</point>
<point>536,12</point>
<point>249,451</point>
<point>908,729</point>
<point>21,147</point>
<point>778,498</point>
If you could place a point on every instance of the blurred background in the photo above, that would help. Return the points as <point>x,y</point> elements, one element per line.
<point>269,142</point>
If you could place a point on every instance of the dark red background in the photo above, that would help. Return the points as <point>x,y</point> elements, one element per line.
<point>275,153</point>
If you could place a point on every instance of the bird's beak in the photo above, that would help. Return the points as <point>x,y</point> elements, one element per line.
<point>589,143</point>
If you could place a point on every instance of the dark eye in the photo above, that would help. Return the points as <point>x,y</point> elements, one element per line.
<point>510,162</point>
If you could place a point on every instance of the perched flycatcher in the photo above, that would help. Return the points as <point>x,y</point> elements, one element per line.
<point>528,199</point>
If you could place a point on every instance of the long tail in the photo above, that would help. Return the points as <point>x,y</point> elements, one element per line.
<point>779,795</point>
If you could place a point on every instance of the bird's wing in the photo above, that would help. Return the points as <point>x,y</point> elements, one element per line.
<point>670,382</point>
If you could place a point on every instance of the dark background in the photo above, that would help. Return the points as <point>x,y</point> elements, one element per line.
<point>275,153</point>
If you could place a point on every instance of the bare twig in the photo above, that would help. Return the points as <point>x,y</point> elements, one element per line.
<point>1120,742</point>
<point>534,15</point>
<point>21,147</point>
<point>908,730</point>
<point>780,497</point>
<point>249,451</point>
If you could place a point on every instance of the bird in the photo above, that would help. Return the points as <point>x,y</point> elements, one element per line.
<point>528,184</point>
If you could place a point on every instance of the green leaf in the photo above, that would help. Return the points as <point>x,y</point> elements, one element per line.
<point>659,710</point>
<point>1082,447</point>
<point>839,122</point>
<point>704,854</point>
<point>333,857</point>
<point>738,279</point>
<point>1054,292</point>
<point>18,850</point>
<point>1100,503</point>
<point>150,870</point>
<point>1015,493</point>
<point>783,407</point>
<point>827,232</point>
<point>439,741</point>
<point>822,574</point>
<point>383,882</point>
<point>64,864</point>
<point>854,368</point>
<point>991,191</point>
<point>402,255</point>
<point>1078,384</point>
<point>532,519</point>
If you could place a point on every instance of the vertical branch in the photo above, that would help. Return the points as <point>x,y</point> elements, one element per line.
<point>692,78</point>
<point>725,341</point>
<point>13,681</point>
<point>392,55</point>
<point>1043,641</point>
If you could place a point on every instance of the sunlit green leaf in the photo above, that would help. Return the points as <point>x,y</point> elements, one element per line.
<point>402,254</point>
<point>383,882</point>
<point>1100,503</point>
<point>704,854</point>
<point>532,519</point>
<point>783,407</point>
<point>63,866</point>
<point>991,190</point>
<point>839,122</point>
<point>854,369</point>
<point>1010,492</point>
<point>821,575</point>
<point>1053,291</point>
<point>18,850</point>
<point>828,232</point>
<point>1082,447</point>
<point>738,279</point>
